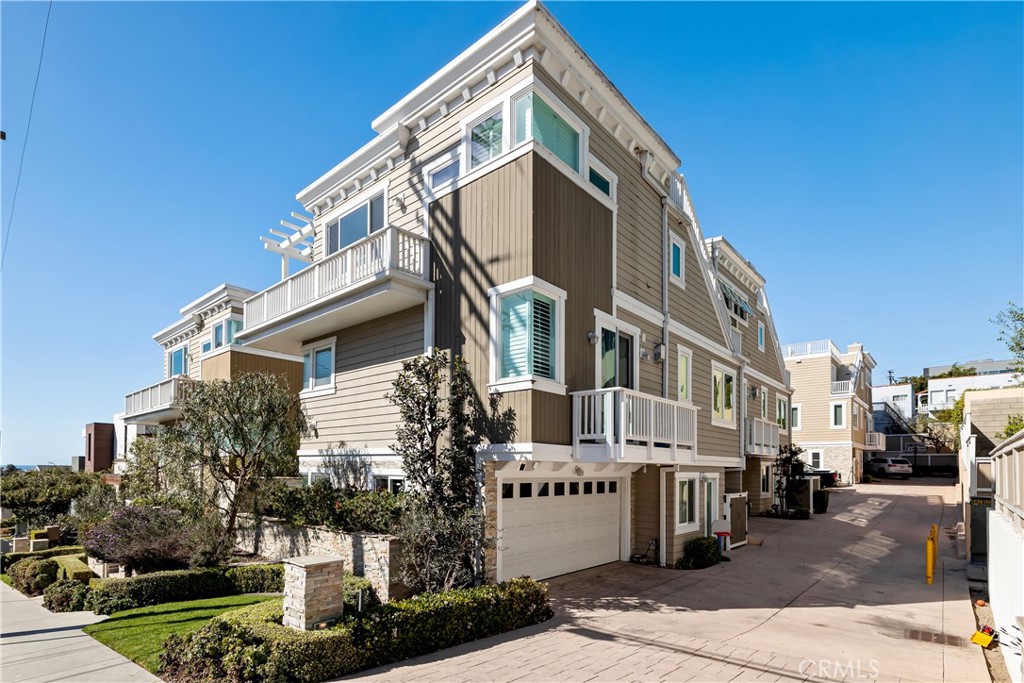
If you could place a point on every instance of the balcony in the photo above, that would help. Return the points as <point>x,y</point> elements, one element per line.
<point>380,274</point>
<point>155,403</point>
<point>843,387</point>
<point>874,441</point>
<point>811,348</point>
<point>622,425</point>
<point>762,437</point>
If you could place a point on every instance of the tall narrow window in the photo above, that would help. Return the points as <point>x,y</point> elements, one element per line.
<point>838,416</point>
<point>764,403</point>
<point>677,260</point>
<point>686,503</point>
<point>527,335</point>
<point>781,412</point>
<point>723,392</point>
<point>685,360</point>
<point>760,335</point>
<point>536,119</point>
<point>318,366</point>
<point>177,361</point>
<point>485,140</point>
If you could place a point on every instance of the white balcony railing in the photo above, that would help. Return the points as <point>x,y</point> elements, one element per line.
<point>843,387</point>
<point>385,251</point>
<point>626,425</point>
<point>810,348</point>
<point>1008,472</point>
<point>874,441</point>
<point>160,396</point>
<point>762,437</point>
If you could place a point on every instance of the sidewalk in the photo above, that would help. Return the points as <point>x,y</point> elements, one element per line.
<point>40,646</point>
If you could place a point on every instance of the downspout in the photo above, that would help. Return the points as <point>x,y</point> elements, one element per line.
<point>665,265</point>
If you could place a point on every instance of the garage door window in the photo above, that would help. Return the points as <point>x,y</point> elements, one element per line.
<point>542,489</point>
<point>600,487</point>
<point>613,486</point>
<point>507,490</point>
<point>559,488</point>
<point>574,488</point>
<point>526,490</point>
<point>588,488</point>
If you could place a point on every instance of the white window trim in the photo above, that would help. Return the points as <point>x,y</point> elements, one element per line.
<point>501,105</point>
<point>350,204</point>
<point>604,321</point>
<point>721,421</point>
<point>689,527</point>
<point>760,335</point>
<point>683,351</point>
<point>612,178</point>
<point>798,407</point>
<point>496,384</point>
<point>767,474</point>
<point>186,362</point>
<point>313,347</point>
<point>453,156</point>
<point>764,402</point>
<point>832,414</point>
<point>555,102</point>
<point>676,240</point>
<point>821,459</point>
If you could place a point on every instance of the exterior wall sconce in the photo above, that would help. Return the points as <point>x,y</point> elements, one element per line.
<point>593,337</point>
<point>752,392</point>
<point>398,202</point>
<point>645,354</point>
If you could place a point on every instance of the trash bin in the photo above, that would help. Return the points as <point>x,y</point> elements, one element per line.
<point>820,502</point>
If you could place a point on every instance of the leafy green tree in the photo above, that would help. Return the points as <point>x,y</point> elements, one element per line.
<point>43,496</point>
<point>443,423</point>
<point>236,436</point>
<point>1014,424</point>
<point>1011,332</point>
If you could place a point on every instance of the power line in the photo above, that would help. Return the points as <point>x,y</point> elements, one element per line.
<point>24,143</point>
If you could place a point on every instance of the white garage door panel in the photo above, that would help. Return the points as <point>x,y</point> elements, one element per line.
<point>544,536</point>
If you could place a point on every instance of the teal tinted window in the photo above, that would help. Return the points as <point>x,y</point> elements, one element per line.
<point>600,182</point>
<point>536,119</point>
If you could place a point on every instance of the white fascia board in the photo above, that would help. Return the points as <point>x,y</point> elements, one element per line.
<point>173,330</point>
<point>356,164</point>
<point>216,295</point>
<point>734,258</point>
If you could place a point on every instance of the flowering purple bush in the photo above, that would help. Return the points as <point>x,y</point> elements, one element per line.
<point>143,539</point>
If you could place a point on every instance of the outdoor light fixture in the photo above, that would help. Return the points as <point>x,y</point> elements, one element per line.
<point>659,353</point>
<point>398,203</point>
<point>593,337</point>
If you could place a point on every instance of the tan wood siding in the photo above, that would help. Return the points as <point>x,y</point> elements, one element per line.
<point>693,306</point>
<point>811,380</point>
<point>481,236</point>
<point>650,379</point>
<point>647,507</point>
<point>234,363</point>
<point>367,359</point>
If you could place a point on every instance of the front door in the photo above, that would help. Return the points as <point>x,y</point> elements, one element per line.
<point>617,359</point>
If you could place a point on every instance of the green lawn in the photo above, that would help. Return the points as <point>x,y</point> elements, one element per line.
<point>6,579</point>
<point>139,634</point>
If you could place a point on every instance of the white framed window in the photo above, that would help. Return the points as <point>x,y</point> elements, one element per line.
<point>677,260</point>
<point>767,475</point>
<point>781,412</point>
<point>617,363</point>
<point>687,508</point>
<point>318,367</point>
<point>177,361</point>
<point>486,137</point>
<point>814,459</point>
<point>837,415</point>
<point>764,402</point>
<point>527,340</point>
<point>723,396</point>
<point>857,422</point>
<point>760,335</point>
<point>796,416</point>
<point>542,117</point>
<point>361,220</point>
<point>601,177</point>
<point>222,334</point>
<point>684,373</point>
<point>391,483</point>
<point>736,304</point>
<point>442,172</point>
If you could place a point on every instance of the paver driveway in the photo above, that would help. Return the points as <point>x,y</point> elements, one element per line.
<point>838,597</point>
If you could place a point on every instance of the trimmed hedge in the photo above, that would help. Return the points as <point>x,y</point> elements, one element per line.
<point>699,553</point>
<point>10,558</point>
<point>251,644</point>
<point>257,578</point>
<point>66,596</point>
<point>73,568</point>
<point>32,575</point>
<point>115,595</point>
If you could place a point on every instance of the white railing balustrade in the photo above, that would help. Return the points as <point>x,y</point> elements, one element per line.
<point>159,396</point>
<point>874,441</point>
<point>626,422</point>
<point>762,437</point>
<point>841,387</point>
<point>810,348</point>
<point>389,250</point>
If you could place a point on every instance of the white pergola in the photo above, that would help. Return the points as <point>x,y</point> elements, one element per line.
<point>298,245</point>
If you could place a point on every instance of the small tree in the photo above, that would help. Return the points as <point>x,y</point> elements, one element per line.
<point>1014,423</point>
<point>789,472</point>
<point>43,497</point>
<point>236,435</point>
<point>142,538</point>
<point>443,422</point>
<point>1011,332</point>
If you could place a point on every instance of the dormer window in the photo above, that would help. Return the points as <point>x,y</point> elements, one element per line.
<point>736,303</point>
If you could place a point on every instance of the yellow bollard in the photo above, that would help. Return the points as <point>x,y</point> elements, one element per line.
<point>929,560</point>
<point>935,533</point>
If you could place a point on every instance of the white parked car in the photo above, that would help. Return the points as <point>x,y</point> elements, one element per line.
<point>890,467</point>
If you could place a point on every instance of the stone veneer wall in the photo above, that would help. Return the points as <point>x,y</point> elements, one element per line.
<point>313,590</point>
<point>376,557</point>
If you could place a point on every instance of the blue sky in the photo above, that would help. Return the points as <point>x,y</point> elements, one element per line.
<point>867,157</point>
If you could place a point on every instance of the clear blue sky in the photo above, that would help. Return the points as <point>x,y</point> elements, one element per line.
<point>866,157</point>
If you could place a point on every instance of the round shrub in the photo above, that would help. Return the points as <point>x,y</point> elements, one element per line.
<point>699,553</point>
<point>32,575</point>
<point>66,596</point>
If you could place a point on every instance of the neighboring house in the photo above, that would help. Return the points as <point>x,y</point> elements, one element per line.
<point>1006,551</point>
<point>99,447</point>
<point>984,366</point>
<point>899,397</point>
<point>943,393</point>
<point>832,413</point>
<point>517,210</point>
<point>985,416</point>
<point>202,344</point>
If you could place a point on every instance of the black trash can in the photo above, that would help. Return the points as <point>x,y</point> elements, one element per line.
<point>820,502</point>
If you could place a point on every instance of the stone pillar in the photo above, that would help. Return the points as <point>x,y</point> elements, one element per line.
<point>312,590</point>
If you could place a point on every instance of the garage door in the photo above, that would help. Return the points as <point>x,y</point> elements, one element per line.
<point>552,527</point>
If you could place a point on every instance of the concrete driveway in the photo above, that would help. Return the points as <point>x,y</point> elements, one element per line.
<point>839,597</point>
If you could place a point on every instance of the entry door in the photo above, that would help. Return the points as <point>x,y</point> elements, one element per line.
<point>710,504</point>
<point>617,359</point>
